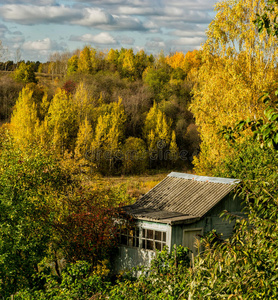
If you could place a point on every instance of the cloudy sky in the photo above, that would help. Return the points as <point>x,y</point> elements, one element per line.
<point>41,27</point>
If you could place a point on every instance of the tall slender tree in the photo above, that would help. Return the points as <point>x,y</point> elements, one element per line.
<point>25,124</point>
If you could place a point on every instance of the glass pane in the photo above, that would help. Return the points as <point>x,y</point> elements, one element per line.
<point>131,232</point>
<point>143,244</point>
<point>150,245</point>
<point>137,231</point>
<point>123,240</point>
<point>158,235</point>
<point>144,233</point>
<point>158,246</point>
<point>164,237</point>
<point>130,241</point>
<point>124,230</point>
<point>150,234</point>
<point>135,242</point>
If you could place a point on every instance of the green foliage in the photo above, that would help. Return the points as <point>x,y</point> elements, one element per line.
<point>43,213</point>
<point>165,279</point>
<point>268,19</point>
<point>135,156</point>
<point>72,65</point>
<point>77,282</point>
<point>156,79</point>
<point>25,73</point>
<point>264,130</point>
<point>28,185</point>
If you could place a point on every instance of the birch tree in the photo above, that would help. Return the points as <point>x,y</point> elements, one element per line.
<point>238,64</point>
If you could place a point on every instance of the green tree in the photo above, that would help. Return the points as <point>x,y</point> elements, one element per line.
<point>72,65</point>
<point>135,156</point>
<point>29,182</point>
<point>112,59</point>
<point>25,73</point>
<point>157,80</point>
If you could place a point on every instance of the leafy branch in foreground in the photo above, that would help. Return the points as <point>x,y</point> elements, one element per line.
<point>264,130</point>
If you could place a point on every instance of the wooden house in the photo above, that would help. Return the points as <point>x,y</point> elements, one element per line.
<point>176,211</point>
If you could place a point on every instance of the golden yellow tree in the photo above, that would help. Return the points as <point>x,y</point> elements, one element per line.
<point>238,64</point>
<point>85,60</point>
<point>108,134</point>
<point>83,141</point>
<point>25,124</point>
<point>61,122</point>
<point>161,140</point>
<point>176,60</point>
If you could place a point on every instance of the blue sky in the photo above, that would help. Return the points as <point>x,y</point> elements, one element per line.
<point>42,27</point>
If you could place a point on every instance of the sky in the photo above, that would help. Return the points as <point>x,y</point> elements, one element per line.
<point>33,30</point>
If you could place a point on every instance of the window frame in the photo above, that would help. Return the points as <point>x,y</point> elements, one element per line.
<point>148,238</point>
<point>142,237</point>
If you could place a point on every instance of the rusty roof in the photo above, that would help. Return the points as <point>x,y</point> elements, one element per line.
<point>181,197</point>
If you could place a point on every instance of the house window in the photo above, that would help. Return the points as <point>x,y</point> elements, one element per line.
<point>129,236</point>
<point>153,240</point>
<point>133,236</point>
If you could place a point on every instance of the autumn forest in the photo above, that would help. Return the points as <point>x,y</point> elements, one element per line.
<point>90,131</point>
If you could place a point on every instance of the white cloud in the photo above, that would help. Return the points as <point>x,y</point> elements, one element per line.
<point>193,32</point>
<point>41,45</point>
<point>131,10</point>
<point>184,16</point>
<point>30,15</point>
<point>188,41</point>
<point>102,38</point>
<point>194,4</point>
<point>105,2</point>
<point>156,45</point>
<point>126,23</point>
<point>92,17</point>
<point>36,2</point>
<point>89,17</point>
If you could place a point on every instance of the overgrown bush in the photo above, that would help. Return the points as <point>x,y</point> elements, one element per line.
<point>77,282</point>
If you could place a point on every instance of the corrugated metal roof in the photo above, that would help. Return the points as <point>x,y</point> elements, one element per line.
<point>181,195</point>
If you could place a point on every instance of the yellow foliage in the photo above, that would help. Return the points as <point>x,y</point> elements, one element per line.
<point>101,269</point>
<point>183,61</point>
<point>25,124</point>
<point>176,60</point>
<point>238,64</point>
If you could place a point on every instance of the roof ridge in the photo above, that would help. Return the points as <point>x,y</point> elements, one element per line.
<point>204,178</point>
